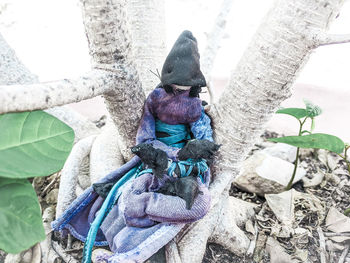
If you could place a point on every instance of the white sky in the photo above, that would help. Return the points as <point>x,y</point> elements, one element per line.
<point>48,36</point>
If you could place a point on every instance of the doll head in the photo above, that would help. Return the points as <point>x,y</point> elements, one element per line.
<point>181,67</point>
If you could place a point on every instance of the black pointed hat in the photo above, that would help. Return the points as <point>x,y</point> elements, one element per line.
<point>181,66</point>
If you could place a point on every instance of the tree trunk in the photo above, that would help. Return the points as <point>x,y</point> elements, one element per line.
<point>147,24</point>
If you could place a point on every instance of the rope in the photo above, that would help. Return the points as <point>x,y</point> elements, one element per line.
<point>107,205</point>
<point>201,165</point>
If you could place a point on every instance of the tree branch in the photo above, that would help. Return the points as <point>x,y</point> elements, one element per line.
<point>16,98</point>
<point>12,71</point>
<point>324,39</point>
<point>111,49</point>
<point>148,38</point>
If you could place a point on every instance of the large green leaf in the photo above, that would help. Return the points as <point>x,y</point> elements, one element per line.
<point>316,140</point>
<point>20,217</point>
<point>295,112</point>
<point>33,144</point>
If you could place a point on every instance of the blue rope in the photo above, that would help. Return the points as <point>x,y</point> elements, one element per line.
<point>201,165</point>
<point>107,205</point>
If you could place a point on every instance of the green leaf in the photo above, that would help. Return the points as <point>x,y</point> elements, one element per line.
<point>20,216</point>
<point>312,110</point>
<point>316,140</point>
<point>295,112</point>
<point>33,144</point>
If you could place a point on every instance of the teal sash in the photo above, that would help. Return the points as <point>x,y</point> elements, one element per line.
<point>177,133</point>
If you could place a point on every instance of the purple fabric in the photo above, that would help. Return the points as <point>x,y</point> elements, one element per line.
<point>172,109</point>
<point>143,218</point>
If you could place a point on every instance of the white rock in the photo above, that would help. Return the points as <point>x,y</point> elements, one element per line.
<point>282,205</point>
<point>315,180</point>
<point>51,197</point>
<point>338,223</point>
<point>265,174</point>
<point>283,151</point>
<point>99,252</point>
<point>277,252</point>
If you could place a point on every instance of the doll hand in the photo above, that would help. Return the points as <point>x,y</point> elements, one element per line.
<point>185,187</point>
<point>156,159</point>
<point>198,149</point>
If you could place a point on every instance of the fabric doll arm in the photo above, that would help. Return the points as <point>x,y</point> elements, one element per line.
<point>201,129</point>
<point>146,132</point>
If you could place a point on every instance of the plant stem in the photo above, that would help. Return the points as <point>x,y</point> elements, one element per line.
<point>289,186</point>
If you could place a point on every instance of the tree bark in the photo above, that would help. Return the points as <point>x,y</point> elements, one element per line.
<point>265,74</point>
<point>110,48</point>
<point>12,71</point>
<point>147,23</point>
<point>262,80</point>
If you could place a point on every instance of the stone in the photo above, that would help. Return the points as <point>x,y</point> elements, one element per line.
<point>338,223</point>
<point>277,252</point>
<point>283,151</point>
<point>51,197</point>
<point>315,180</point>
<point>98,255</point>
<point>282,205</point>
<point>265,174</point>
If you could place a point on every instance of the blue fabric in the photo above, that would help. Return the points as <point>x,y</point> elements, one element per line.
<point>200,129</point>
<point>201,165</point>
<point>110,200</point>
<point>177,133</point>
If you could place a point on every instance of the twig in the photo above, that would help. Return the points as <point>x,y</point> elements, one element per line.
<point>63,254</point>
<point>74,249</point>
<point>331,39</point>
<point>69,242</point>
<point>50,185</point>
<point>331,234</point>
<point>252,244</point>
<point>322,245</point>
<point>344,254</point>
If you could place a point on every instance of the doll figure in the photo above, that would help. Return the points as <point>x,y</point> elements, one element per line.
<point>137,217</point>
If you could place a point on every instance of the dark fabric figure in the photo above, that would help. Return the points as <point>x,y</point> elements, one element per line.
<point>198,149</point>
<point>155,159</point>
<point>185,187</point>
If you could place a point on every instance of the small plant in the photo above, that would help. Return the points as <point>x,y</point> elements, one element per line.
<point>311,140</point>
<point>31,144</point>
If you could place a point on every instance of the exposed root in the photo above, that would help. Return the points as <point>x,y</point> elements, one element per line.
<point>221,225</point>
<point>105,155</point>
<point>63,254</point>
<point>70,173</point>
<point>47,255</point>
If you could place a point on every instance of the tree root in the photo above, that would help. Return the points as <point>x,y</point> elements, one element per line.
<point>221,225</point>
<point>70,173</point>
<point>105,156</point>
